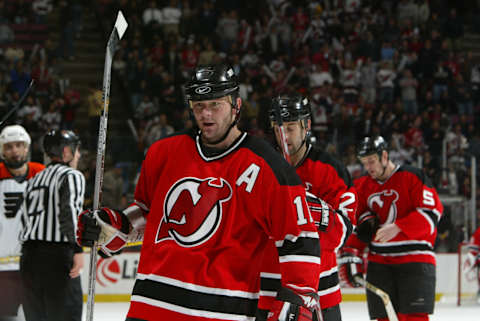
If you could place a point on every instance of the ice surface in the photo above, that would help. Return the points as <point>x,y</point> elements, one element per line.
<point>351,311</point>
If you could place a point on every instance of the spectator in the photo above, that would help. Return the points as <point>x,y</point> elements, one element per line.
<point>20,79</point>
<point>409,86</point>
<point>6,34</point>
<point>227,29</point>
<point>112,187</point>
<point>457,144</point>
<point>94,105</point>
<point>30,109</point>
<point>454,29</point>
<point>368,74</point>
<point>463,97</point>
<point>171,17</point>
<point>385,78</point>
<point>14,53</point>
<point>41,8</point>
<point>152,14</point>
<point>441,78</point>
<point>52,119</point>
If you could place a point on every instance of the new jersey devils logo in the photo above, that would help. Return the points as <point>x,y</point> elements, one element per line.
<point>193,210</point>
<point>383,203</point>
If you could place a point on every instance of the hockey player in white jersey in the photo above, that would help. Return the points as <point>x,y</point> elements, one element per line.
<point>15,170</point>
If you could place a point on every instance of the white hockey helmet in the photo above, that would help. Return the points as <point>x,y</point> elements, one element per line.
<point>14,133</point>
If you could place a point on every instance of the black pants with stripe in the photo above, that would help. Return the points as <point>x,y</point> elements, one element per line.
<point>49,292</point>
<point>411,287</point>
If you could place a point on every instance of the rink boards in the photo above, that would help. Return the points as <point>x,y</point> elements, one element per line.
<point>116,276</point>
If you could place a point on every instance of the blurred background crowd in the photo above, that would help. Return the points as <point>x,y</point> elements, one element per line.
<point>408,70</point>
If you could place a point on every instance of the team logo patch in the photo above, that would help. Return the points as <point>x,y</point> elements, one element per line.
<point>193,210</point>
<point>202,90</point>
<point>384,204</point>
<point>108,271</point>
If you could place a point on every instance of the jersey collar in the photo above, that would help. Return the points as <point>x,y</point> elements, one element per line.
<point>221,153</point>
<point>391,174</point>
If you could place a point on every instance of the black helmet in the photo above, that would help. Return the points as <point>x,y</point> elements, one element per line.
<point>55,140</point>
<point>211,82</point>
<point>372,145</point>
<point>292,108</point>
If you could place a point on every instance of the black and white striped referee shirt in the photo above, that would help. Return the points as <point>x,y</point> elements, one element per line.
<point>53,199</point>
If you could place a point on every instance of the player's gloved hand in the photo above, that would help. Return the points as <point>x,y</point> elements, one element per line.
<point>350,265</point>
<point>367,226</point>
<point>320,211</point>
<point>107,226</point>
<point>471,262</point>
<point>293,306</point>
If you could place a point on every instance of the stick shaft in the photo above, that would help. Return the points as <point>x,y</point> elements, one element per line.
<point>99,167</point>
<point>392,315</point>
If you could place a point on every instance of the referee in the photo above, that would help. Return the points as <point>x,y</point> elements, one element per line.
<point>51,261</point>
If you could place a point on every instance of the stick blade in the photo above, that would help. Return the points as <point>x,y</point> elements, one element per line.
<point>120,25</point>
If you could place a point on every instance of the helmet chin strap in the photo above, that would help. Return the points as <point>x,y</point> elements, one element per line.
<point>384,168</point>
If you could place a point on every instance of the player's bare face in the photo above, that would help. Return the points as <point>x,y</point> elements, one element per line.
<point>15,153</point>
<point>294,134</point>
<point>373,166</point>
<point>213,117</point>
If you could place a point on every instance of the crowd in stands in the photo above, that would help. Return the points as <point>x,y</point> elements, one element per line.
<point>395,68</point>
<point>28,53</point>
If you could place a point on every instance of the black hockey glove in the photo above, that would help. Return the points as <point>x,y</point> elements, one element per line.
<point>293,306</point>
<point>109,227</point>
<point>367,226</point>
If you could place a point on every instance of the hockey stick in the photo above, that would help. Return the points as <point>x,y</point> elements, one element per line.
<point>117,34</point>
<point>18,103</point>
<point>392,315</point>
<point>283,137</point>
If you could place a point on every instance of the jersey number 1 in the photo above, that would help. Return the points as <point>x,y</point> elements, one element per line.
<point>300,212</point>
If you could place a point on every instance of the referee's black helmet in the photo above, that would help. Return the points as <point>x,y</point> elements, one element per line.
<point>55,140</point>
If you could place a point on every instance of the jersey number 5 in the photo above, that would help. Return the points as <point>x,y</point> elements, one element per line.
<point>428,198</point>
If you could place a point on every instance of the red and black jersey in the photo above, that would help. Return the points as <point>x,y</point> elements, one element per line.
<point>408,199</point>
<point>474,244</point>
<point>209,217</point>
<point>327,178</point>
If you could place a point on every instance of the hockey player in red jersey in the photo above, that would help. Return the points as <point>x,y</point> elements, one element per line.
<point>325,177</point>
<point>397,215</point>
<point>206,203</point>
<point>15,170</point>
<point>473,258</point>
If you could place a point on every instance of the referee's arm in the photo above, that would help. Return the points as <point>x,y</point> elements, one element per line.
<point>71,202</point>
